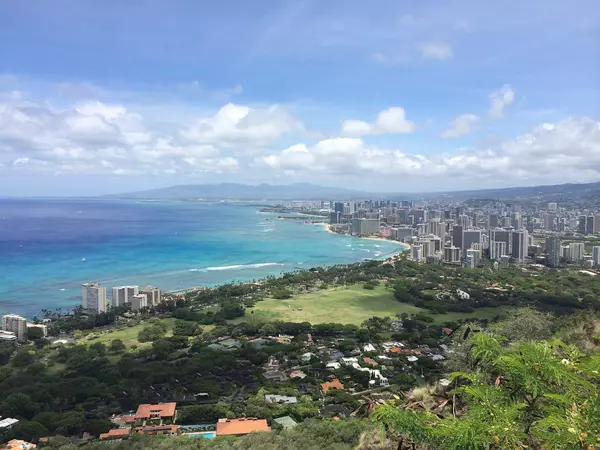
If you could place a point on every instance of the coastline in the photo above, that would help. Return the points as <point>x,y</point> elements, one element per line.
<point>370,238</point>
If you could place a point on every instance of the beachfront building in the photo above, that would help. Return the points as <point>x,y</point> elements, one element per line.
<point>365,227</point>
<point>138,301</point>
<point>93,297</point>
<point>13,323</point>
<point>123,294</point>
<point>154,295</point>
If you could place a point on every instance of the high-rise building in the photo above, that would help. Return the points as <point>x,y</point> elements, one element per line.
<point>505,262</point>
<point>93,297</point>
<point>15,324</point>
<point>590,224</point>
<point>576,250</point>
<point>501,235</point>
<point>403,234</point>
<point>469,238</point>
<point>596,255</point>
<point>452,254</point>
<point>417,252</point>
<point>497,249</point>
<point>123,294</point>
<point>493,221</point>
<point>154,295</point>
<point>582,224</point>
<point>473,258</point>
<point>457,236</point>
<point>520,245</point>
<point>338,207</point>
<point>464,221</point>
<point>334,217</point>
<point>138,301</point>
<point>552,206</point>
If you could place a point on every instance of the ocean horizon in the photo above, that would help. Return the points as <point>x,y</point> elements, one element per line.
<point>49,247</point>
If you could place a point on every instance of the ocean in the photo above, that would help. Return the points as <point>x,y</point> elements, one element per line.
<point>49,247</point>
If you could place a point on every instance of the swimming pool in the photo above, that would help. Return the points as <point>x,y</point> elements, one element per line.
<point>202,434</point>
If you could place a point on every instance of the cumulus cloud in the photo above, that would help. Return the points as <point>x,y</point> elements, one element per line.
<point>436,50</point>
<point>499,100</point>
<point>461,126</point>
<point>95,137</point>
<point>389,121</point>
<point>568,150</point>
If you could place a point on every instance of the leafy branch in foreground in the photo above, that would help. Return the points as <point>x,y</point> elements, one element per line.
<point>529,395</point>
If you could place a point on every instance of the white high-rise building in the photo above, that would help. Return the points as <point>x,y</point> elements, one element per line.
<point>15,324</point>
<point>552,206</point>
<point>576,250</point>
<point>417,252</point>
<point>497,250</point>
<point>452,254</point>
<point>138,301</point>
<point>93,297</point>
<point>596,255</point>
<point>123,294</point>
<point>154,295</point>
<point>473,258</point>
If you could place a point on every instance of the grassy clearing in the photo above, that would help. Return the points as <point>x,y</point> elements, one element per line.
<point>129,334</point>
<point>348,305</point>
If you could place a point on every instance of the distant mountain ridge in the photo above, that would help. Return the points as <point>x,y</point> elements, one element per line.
<point>297,191</point>
<point>308,191</point>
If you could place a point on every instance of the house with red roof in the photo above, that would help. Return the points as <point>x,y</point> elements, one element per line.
<point>116,433</point>
<point>334,384</point>
<point>240,427</point>
<point>162,412</point>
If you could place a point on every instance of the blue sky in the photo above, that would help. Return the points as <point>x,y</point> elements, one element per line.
<point>99,97</point>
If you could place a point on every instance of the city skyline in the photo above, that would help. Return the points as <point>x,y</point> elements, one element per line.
<point>123,97</point>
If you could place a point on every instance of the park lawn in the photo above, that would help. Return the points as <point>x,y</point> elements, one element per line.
<point>129,335</point>
<point>347,305</point>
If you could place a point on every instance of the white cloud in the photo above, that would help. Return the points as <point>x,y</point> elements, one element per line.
<point>390,121</point>
<point>95,137</point>
<point>461,126</point>
<point>436,50</point>
<point>235,125</point>
<point>565,151</point>
<point>499,100</point>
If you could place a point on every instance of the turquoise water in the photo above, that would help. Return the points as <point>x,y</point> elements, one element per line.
<point>168,245</point>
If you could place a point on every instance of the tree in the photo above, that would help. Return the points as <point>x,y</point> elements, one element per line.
<point>183,328</point>
<point>99,348</point>
<point>98,426</point>
<point>6,351</point>
<point>525,324</point>
<point>23,358</point>
<point>117,346</point>
<point>30,431</point>
<point>529,395</point>
<point>18,405</point>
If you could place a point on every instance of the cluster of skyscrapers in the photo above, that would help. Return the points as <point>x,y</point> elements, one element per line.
<point>93,297</point>
<point>467,235</point>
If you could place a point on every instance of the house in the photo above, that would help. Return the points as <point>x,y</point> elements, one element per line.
<point>462,295</point>
<point>286,422</point>
<point>305,358</point>
<point>239,427</point>
<point>116,433</point>
<point>370,362</point>
<point>275,375</point>
<point>412,358</point>
<point>297,374</point>
<point>437,357</point>
<point>369,348</point>
<point>348,361</point>
<point>270,398</point>
<point>160,412</point>
<point>334,384</point>
<point>336,355</point>
<point>333,366</point>
<point>7,423</point>
<point>17,444</point>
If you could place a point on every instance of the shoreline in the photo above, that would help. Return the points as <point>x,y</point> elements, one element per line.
<point>370,238</point>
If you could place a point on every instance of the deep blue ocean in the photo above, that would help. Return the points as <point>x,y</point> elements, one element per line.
<point>43,244</point>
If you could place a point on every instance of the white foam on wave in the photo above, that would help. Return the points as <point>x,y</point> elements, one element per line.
<point>377,245</point>
<point>235,267</point>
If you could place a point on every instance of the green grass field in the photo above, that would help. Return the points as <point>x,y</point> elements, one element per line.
<point>341,305</point>
<point>129,334</point>
<point>348,305</point>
